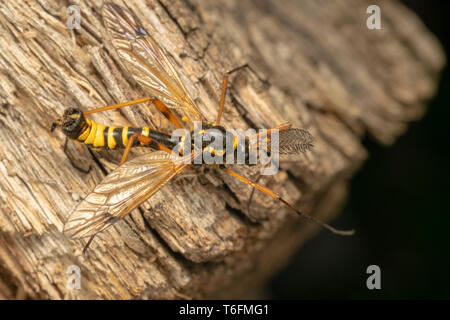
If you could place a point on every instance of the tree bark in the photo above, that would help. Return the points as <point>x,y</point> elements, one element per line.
<point>316,65</point>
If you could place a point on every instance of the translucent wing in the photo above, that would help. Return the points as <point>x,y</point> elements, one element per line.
<point>146,61</point>
<point>290,141</point>
<point>120,192</point>
<point>294,141</point>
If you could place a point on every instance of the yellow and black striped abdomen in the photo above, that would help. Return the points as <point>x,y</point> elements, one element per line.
<point>98,135</point>
<point>77,127</point>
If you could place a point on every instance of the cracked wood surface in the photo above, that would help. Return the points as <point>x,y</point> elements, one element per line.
<point>316,65</point>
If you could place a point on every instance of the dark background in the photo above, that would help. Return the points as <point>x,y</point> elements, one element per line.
<point>399,206</point>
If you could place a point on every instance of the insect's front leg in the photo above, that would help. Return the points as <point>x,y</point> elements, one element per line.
<point>72,161</point>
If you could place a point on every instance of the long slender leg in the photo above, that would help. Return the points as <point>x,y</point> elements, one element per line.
<point>224,90</point>
<point>144,140</point>
<point>167,113</point>
<point>128,148</point>
<point>119,105</point>
<point>276,196</point>
<point>158,104</point>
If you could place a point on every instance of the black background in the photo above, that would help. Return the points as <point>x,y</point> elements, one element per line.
<point>399,205</point>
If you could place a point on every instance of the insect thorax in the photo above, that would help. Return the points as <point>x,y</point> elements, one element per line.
<point>214,141</point>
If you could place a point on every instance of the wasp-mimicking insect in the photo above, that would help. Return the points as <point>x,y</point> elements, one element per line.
<point>135,180</point>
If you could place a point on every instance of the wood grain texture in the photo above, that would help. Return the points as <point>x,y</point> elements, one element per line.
<point>315,64</point>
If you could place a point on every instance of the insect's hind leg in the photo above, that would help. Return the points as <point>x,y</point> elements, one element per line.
<point>276,196</point>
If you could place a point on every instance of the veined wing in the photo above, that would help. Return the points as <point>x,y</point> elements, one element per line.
<point>121,191</point>
<point>290,140</point>
<point>149,65</point>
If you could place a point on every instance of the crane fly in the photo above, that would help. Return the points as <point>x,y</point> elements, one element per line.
<point>135,180</point>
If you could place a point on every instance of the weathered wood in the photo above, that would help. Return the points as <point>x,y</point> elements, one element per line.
<point>317,66</point>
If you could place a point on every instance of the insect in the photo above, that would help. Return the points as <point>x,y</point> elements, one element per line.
<point>135,180</point>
